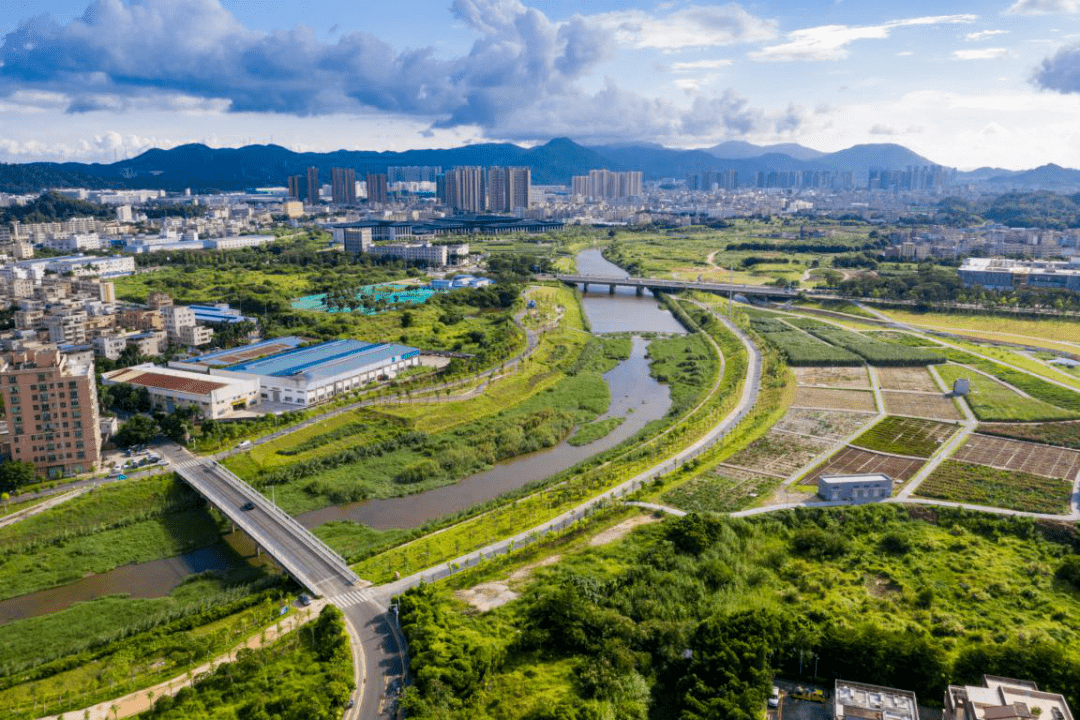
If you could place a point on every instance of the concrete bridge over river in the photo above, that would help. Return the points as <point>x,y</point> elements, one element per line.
<point>662,285</point>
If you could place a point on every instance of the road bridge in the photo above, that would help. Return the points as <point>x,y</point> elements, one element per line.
<point>663,285</point>
<point>306,558</point>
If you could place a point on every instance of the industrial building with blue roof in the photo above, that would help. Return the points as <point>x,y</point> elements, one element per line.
<point>312,374</point>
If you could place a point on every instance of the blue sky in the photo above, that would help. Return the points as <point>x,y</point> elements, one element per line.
<point>966,84</point>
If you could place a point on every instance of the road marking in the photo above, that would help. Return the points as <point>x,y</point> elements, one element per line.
<point>356,597</point>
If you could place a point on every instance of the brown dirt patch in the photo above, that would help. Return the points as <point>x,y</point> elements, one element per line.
<point>822,424</point>
<point>618,531</point>
<point>907,378</point>
<point>831,399</point>
<point>842,377</point>
<point>925,405</point>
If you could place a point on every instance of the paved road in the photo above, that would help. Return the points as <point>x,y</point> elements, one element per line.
<point>377,645</point>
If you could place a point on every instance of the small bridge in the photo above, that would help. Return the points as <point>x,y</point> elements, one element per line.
<point>659,285</point>
<point>306,558</point>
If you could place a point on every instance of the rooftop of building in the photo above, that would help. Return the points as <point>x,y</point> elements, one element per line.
<point>325,360</point>
<point>247,353</point>
<point>873,702</point>
<point>167,379</point>
<point>1071,267</point>
<point>843,479</point>
<point>1001,698</point>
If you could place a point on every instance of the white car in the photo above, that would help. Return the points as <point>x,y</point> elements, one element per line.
<point>774,699</point>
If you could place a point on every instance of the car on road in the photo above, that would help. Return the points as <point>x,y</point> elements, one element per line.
<point>774,699</point>
<point>248,506</point>
<point>244,445</point>
<point>303,600</point>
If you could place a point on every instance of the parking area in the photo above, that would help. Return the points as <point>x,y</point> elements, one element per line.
<point>795,705</point>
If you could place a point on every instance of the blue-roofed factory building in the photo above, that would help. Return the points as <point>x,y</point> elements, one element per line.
<point>309,375</point>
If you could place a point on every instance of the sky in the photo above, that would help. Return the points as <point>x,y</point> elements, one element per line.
<point>965,84</point>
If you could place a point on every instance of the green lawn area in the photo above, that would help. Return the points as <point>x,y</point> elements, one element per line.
<point>992,401</point>
<point>1010,489</point>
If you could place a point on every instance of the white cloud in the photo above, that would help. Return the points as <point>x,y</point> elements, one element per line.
<point>698,65</point>
<point>1044,7</point>
<point>829,42</point>
<point>977,36</point>
<point>689,26</point>
<point>983,54</point>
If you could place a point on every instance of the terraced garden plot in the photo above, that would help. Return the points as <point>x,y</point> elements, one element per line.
<point>981,485</point>
<point>1063,434</point>
<point>1020,456</point>
<point>834,426</point>
<point>856,461</point>
<point>907,378</point>
<point>991,400</point>
<point>844,377</point>
<point>830,399</point>
<point>726,490</point>
<point>779,453</point>
<point>906,436</point>
<point>923,405</point>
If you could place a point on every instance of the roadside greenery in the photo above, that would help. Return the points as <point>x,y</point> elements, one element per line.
<point>307,674</point>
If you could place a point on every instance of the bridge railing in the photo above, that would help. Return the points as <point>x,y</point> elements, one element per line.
<point>265,542</point>
<point>298,530</point>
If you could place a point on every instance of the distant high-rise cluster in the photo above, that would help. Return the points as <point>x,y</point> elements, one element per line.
<point>413,173</point>
<point>608,185</point>
<point>305,188</point>
<point>476,189</point>
<point>343,186</point>
<point>377,189</point>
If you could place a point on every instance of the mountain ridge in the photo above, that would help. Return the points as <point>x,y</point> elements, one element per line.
<point>203,168</point>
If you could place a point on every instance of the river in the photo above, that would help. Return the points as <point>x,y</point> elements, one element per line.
<point>635,396</point>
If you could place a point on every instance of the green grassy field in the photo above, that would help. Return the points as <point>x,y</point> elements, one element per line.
<point>991,401</point>
<point>905,436</point>
<point>1010,489</point>
<point>1063,434</point>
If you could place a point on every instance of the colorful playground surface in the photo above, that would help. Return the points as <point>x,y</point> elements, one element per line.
<point>392,293</point>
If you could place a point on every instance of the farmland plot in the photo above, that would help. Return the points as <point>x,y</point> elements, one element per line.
<point>830,399</point>
<point>856,461</point>
<point>1020,456</point>
<point>906,436</point>
<point>907,378</point>
<point>834,426</point>
<point>981,485</point>
<point>1064,434</point>
<point>726,490</point>
<point>923,405</point>
<point>779,453</point>
<point>842,377</point>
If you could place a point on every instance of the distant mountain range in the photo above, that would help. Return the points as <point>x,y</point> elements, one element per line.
<point>202,168</point>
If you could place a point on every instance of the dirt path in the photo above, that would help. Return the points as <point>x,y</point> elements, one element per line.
<point>141,700</point>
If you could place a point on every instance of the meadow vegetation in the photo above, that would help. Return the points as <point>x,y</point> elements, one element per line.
<point>911,599</point>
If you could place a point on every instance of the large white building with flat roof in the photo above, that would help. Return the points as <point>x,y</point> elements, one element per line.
<point>1008,274</point>
<point>169,388</point>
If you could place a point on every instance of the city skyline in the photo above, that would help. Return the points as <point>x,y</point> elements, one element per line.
<point>986,84</point>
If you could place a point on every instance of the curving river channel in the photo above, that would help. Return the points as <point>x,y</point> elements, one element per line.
<point>635,395</point>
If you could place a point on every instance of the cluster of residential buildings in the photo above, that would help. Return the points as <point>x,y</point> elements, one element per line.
<point>951,243</point>
<point>998,698</point>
